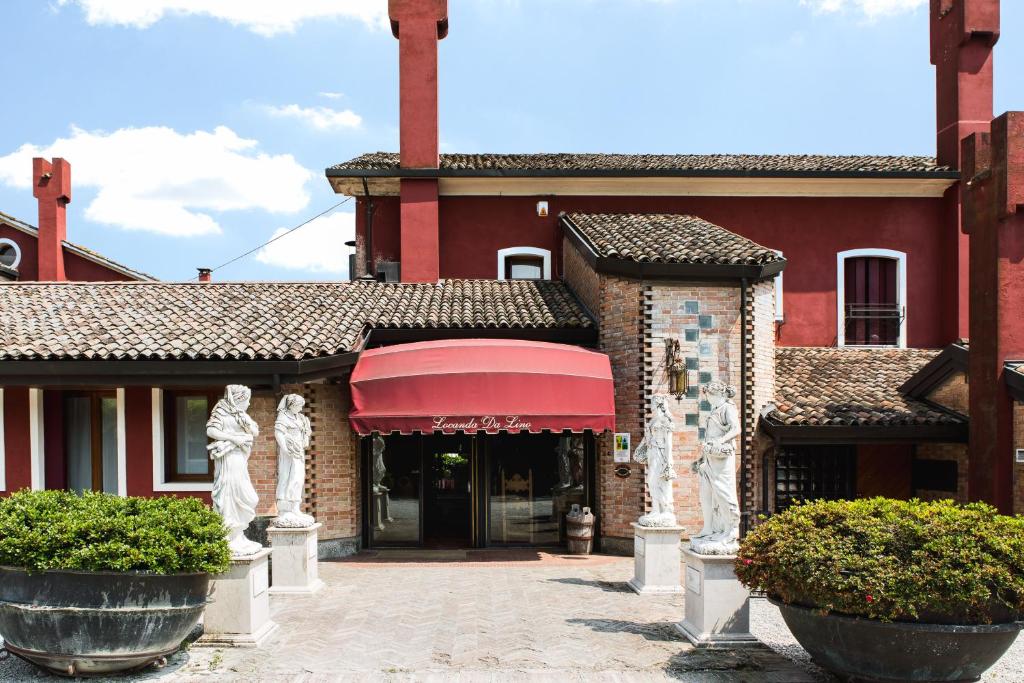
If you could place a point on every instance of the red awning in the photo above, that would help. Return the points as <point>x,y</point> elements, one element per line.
<point>481,385</point>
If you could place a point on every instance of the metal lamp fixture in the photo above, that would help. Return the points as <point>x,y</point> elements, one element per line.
<point>675,368</point>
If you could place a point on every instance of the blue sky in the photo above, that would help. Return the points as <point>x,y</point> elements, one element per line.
<point>198,128</point>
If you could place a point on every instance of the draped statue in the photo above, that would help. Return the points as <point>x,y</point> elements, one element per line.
<point>655,450</point>
<point>234,497</point>
<point>381,497</point>
<point>292,434</point>
<point>716,472</point>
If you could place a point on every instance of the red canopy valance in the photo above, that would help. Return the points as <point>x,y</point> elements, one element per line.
<point>481,385</point>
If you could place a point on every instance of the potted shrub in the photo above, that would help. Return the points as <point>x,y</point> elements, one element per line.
<point>97,583</point>
<point>883,589</point>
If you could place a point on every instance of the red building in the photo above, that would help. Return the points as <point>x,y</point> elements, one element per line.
<point>832,291</point>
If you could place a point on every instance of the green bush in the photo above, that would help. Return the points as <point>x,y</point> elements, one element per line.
<point>891,560</point>
<point>101,532</point>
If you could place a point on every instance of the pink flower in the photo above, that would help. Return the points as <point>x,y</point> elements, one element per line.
<point>748,562</point>
<point>869,597</point>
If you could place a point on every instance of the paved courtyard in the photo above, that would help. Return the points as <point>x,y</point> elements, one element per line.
<point>488,616</point>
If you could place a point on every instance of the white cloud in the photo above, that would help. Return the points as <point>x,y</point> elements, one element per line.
<point>318,246</point>
<point>321,118</point>
<point>331,95</point>
<point>265,17</point>
<point>158,180</point>
<point>872,9</point>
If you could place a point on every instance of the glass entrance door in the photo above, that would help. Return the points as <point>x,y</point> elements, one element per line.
<point>448,508</point>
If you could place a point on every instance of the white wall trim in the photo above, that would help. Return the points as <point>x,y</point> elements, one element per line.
<point>901,289</point>
<point>37,448</point>
<point>159,479</point>
<point>3,446</point>
<point>122,446</point>
<point>524,251</point>
<point>780,312</point>
<point>17,250</point>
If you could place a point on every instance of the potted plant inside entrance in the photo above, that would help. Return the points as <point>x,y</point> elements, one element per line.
<point>97,583</point>
<point>882,589</point>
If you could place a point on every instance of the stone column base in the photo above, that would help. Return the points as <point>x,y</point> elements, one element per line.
<point>717,607</point>
<point>295,560</point>
<point>656,559</point>
<point>239,613</point>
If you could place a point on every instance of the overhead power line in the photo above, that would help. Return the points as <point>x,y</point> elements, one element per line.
<point>274,239</point>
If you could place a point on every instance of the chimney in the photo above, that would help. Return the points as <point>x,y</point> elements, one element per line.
<point>963,33</point>
<point>418,25</point>
<point>993,215</point>
<point>51,186</point>
<point>204,274</point>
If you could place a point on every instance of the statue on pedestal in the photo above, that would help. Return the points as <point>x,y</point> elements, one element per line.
<point>716,469</point>
<point>570,451</point>
<point>234,497</point>
<point>655,450</point>
<point>292,433</point>
<point>381,495</point>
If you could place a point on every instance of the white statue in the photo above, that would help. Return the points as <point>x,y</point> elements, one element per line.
<point>234,497</point>
<point>716,469</point>
<point>292,433</point>
<point>655,450</point>
<point>380,492</point>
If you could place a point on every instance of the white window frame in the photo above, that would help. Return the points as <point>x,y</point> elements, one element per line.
<point>17,250</point>
<point>3,444</point>
<point>36,443</point>
<point>160,482</point>
<point>780,313</point>
<point>901,291</point>
<point>524,251</point>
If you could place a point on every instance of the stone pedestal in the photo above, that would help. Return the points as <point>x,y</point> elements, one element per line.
<point>717,608</point>
<point>656,559</point>
<point>295,559</point>
<point>239,614</point>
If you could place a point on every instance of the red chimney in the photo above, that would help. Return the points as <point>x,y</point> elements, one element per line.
<point>51,186</point>
<point>205,274</point>
<point>963,33</point>
<point>993,214</point>
<point>418,25</point>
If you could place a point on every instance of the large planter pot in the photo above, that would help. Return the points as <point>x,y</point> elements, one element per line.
<point>870,650</point>
<point>81,623</point>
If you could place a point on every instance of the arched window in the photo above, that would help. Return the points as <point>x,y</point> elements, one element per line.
<point>10,253</point>
<point>524,263</point>
<point>871,292</point>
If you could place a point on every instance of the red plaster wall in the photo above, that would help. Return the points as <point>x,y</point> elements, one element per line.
<point>16,435</point>
<point>56,464</point>
<point>75,267</point>
<point>810,231</point>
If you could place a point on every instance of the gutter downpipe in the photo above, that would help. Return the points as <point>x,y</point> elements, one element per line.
<point>744,514</point>
<point>370,270</point>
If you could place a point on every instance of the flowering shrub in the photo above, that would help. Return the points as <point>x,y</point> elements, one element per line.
<point>891,560</point>
<point>42,530</point>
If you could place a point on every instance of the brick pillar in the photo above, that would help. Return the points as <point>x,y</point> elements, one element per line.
<point>993,199</point>
<point>51,186</point>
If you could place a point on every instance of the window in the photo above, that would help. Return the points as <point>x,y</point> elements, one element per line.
<point>10,253</point>
<point>805,473</point>
<point>780,316</point>
<point>524,263</point>
<point>91,441</point>
<point>185,415</point>
<point>871,292</point>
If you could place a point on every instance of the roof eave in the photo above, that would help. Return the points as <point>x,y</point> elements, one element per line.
<point>1014,381</point>
<point>950,360</point>
<point>783,433</point>
<point>345,172</point>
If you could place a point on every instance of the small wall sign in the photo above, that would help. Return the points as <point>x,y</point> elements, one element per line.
<point>621,453</point>
<point>623,472</point>
<point>1020,455</point>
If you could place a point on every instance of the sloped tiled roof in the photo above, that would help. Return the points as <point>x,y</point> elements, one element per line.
<point>682,164</point>
<point>258,321</point>
<point>851,387</point>
<point>666,238</point>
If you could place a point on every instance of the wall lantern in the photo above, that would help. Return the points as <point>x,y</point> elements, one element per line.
<point>675,368</point>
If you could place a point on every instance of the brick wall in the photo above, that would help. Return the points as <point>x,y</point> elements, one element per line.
<point>584,282</point>
<point>1018,468</point>
<point>705,318</point>
<point>953,394</point>
<point>760,380</point>
<point>945,451</point>
<point>263,459</point>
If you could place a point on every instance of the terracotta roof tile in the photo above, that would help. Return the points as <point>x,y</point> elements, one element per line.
<point>848,387</point>
<point>262,320</point>
<point>666,238</point>
<point>659,163</point>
